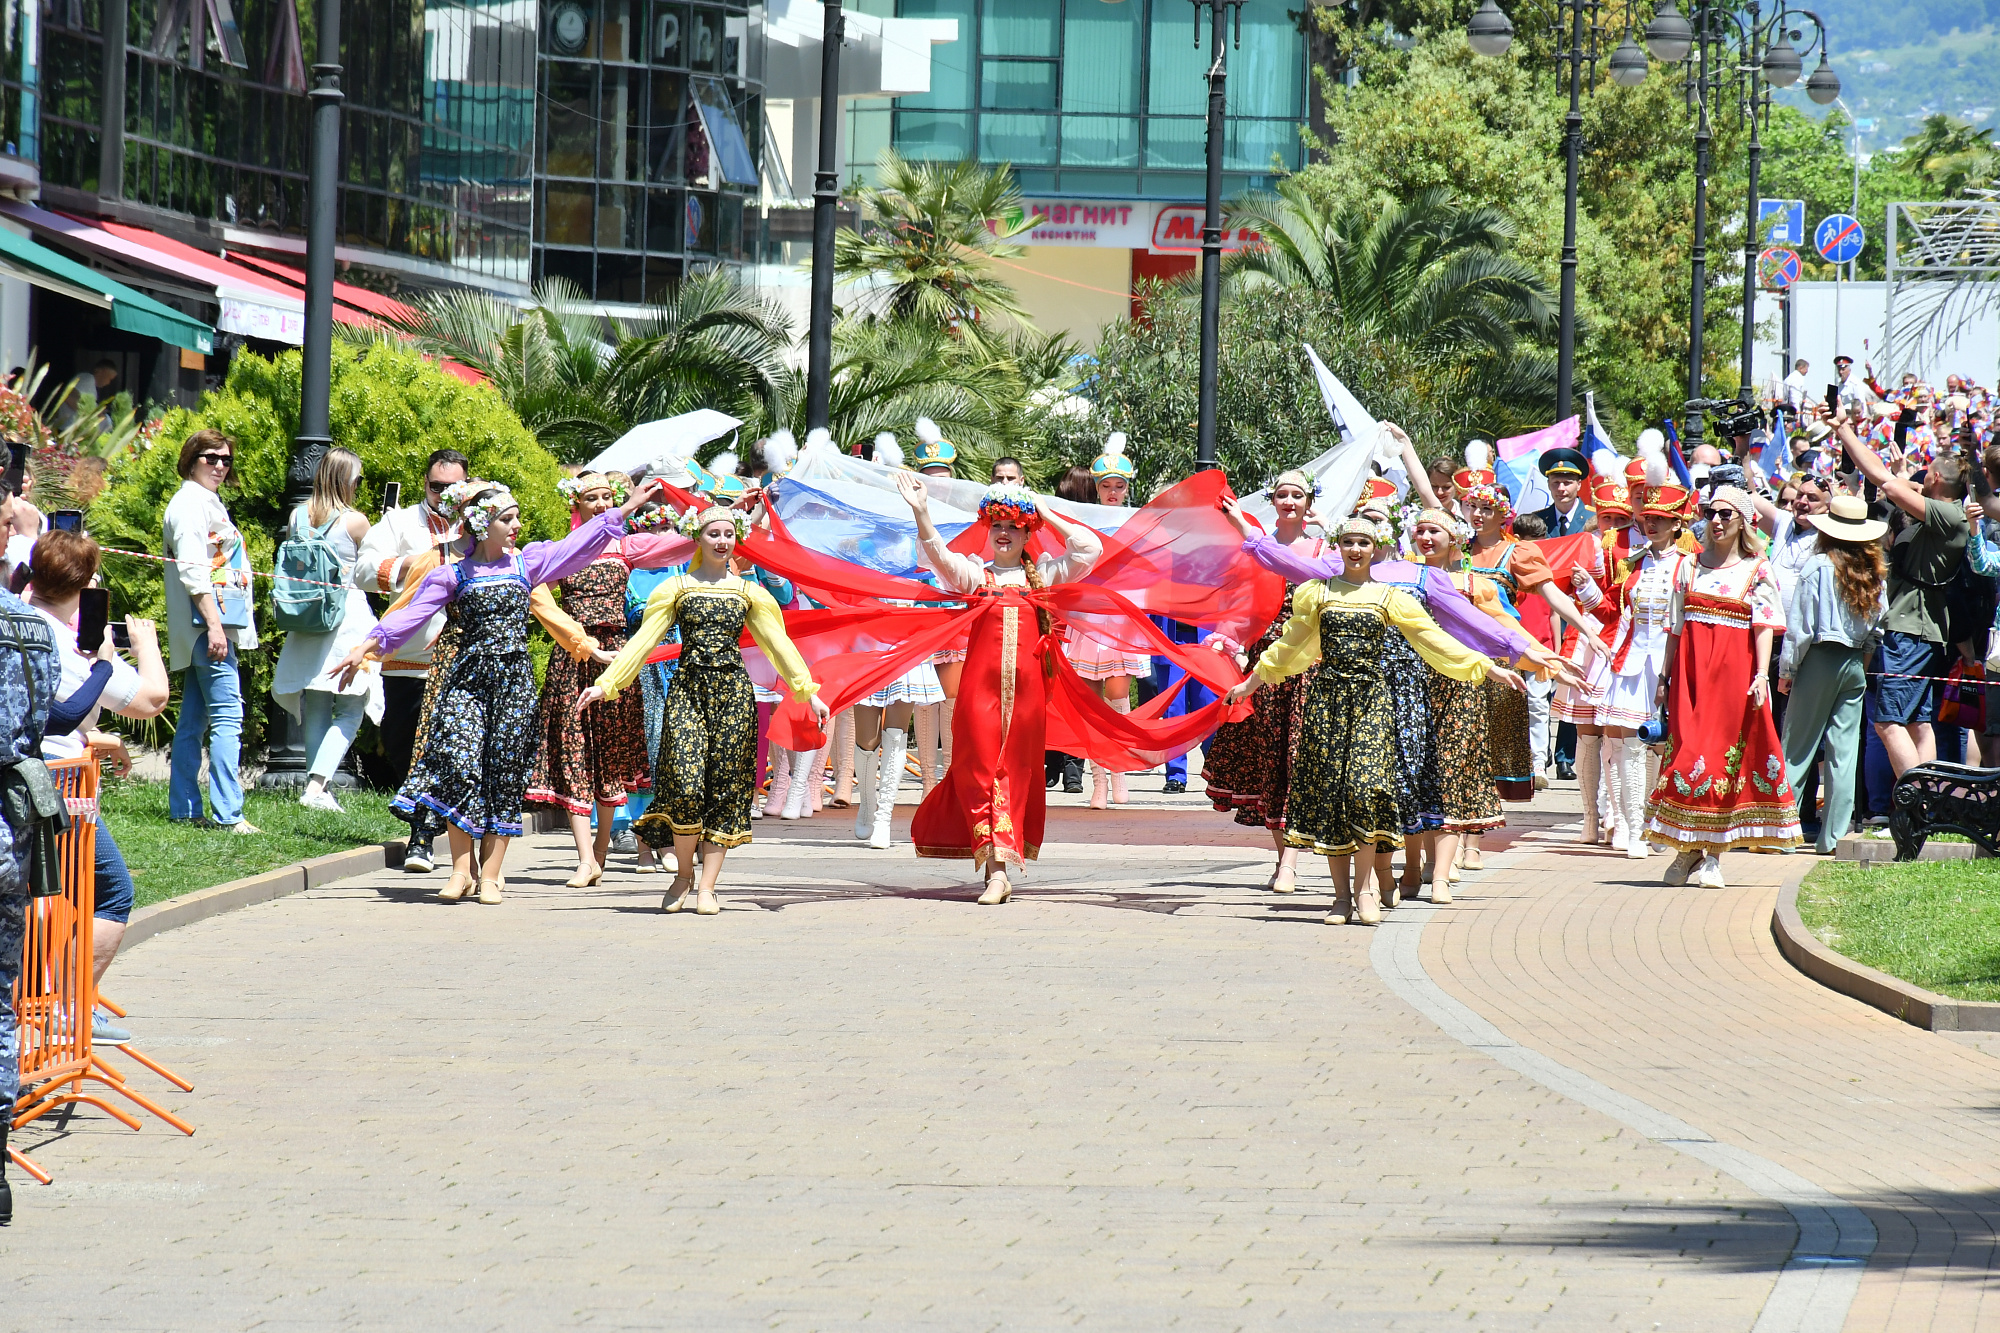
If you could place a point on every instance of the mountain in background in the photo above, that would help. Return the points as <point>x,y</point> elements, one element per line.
<point>1902,60</point>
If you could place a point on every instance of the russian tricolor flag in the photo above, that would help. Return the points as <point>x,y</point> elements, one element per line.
<point>1516,460</point>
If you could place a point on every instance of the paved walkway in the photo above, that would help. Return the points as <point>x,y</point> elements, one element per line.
<point>1144,1095</point>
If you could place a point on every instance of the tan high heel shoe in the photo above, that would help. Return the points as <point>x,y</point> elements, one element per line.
<point>456,887</point>
<point>489,890</point>
<point>676,895</point>
<point>998,890</point>
<point>583,878</point>
<point>1343,907</point>
<point>707,904</point>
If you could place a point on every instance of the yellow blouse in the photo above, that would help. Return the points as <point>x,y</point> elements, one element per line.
<point>765,621</point>
<point>1299,648</point>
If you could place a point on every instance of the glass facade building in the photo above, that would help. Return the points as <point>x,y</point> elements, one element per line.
<point>488,141</point>
<point>651,113</point>
<point>1100,97</point>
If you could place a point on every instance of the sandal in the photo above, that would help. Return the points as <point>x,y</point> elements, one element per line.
<point>676,895</point>
<point>456,887</point>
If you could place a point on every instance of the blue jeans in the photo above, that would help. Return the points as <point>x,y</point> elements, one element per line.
<point>331,721</point>
<point>212,719</point>
<point>114,879</point>
<point>1187,693</point>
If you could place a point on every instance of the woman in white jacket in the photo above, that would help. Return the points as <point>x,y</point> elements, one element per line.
<point>301,682</point>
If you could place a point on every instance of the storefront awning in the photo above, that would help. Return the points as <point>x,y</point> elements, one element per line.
<point>134,313</point>
<point>251,304</point>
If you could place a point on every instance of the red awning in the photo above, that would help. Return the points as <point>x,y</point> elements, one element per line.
<point>360,298</point>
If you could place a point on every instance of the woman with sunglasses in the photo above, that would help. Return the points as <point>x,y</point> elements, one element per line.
<point>209,623</point>
<point>1723,783</point>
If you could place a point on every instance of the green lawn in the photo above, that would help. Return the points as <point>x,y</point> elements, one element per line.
<point>1934,923</point>
<point>168,860</point>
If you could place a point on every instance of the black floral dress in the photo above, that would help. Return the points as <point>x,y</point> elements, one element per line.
<point>600,757</point>
<point>1343,794</point>
<point>425,823</point>
<point>1247,767</point>
<point>1417,795</point>
<point>480,739</point>
<point>708,735</point>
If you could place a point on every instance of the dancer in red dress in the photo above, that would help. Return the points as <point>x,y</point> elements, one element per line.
<point>1723,782</point>
<point>990,805</point>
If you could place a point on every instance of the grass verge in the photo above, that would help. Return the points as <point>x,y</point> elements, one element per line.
<point>168,860</point>
<point>1933,923</point>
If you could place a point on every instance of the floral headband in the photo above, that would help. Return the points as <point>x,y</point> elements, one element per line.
<point>651,518</point>
<point>1010,504</point>
<point>573,488</point>
<point>1295,477</point>
<point>1451,524</point>
<point>1378,531</point>
<point>694,519</point>
<point>475,504</point>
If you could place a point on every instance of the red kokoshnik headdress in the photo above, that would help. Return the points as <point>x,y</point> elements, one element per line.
<point>1010,504</point>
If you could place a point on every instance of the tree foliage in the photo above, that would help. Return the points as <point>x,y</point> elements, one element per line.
<point>934,230</point>
<point>579,380</point>
<point>389,405</point>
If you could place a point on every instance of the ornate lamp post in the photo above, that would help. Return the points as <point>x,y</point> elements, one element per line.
<point>1211,222</point>
<point>826,196</point>
<point>1577,33</point>
<point>1742,53</point>
<point>287,758</point>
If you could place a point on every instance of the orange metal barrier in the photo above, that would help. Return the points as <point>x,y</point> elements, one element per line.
<point>56,994</point>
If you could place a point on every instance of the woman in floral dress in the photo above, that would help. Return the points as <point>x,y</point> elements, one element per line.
<point>1722,784</point>
<point>706,777</point>
<point>1343,801</point>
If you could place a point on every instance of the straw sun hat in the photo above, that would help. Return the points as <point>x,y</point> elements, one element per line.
<point>1846,519</point>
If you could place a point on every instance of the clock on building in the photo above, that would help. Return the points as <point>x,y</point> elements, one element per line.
<point>569,27</point>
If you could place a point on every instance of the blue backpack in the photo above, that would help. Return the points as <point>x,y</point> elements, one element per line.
<point>307,592</point>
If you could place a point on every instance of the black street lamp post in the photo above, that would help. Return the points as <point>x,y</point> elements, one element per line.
<point>1577,33</point>
<point>1211,223</point>
<point>1744,54</point>
<point>826,197</point>
<point>287,759</point>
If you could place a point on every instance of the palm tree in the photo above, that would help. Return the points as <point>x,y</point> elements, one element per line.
<point>936,229</point>
<point>579,380</point>
<point>887,373</point>
<point>1429,274</point>
<point>1950,155</point>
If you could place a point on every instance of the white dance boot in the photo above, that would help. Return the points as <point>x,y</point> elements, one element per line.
<point>781,779</point>
<point>816,779</point>
<point>866,763</point>
<point>795,792</point>
<point>1589,751</point>
<point>1635,800</point>
<point>1612,765</point>
<point>887,780</point>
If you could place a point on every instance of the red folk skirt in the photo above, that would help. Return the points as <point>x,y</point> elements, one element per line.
<point>1722,782</point>
<point>990,806</point>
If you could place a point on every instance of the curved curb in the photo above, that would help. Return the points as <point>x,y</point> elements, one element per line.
<point>1892,995</point>
<point>280,883</point>
<point>1818,1283</point>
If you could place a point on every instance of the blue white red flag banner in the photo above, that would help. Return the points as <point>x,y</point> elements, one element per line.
<point>1517,460</point>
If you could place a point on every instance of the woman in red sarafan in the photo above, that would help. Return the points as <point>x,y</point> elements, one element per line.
<point>990,806</point>
<point>1722,783</point>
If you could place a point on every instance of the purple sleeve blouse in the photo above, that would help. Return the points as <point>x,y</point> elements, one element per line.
<point>545,562</point>
<point>1452,609</point>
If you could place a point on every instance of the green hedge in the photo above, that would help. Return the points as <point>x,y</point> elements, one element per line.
<point>392,407</point>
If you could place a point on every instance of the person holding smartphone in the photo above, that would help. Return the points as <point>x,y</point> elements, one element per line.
<point>61,571</point>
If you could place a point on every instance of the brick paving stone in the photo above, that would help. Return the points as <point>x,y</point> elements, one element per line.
<point>1679,996</point>
<point>1145,1095</point>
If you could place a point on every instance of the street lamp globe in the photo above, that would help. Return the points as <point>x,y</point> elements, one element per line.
<point>1628,64</point>
<point>1490,32</point>
<point>1782,65</point>
<point>1824,85</point>
<point>1669,36</point>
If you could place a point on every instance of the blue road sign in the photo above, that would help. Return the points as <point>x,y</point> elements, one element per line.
<point>1781,221</point>
<point>1838,238</point>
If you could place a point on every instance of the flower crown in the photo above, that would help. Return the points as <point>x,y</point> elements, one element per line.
<point>572,488</point>
<point>1010,504</point>
<point>1492,496</point>
<point>695,518</point>
<point>1297,477</point>
<point>651,519</point>
<point>475,504</point>
<point>1380,531</point>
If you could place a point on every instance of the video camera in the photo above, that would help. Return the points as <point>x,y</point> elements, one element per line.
<point>1729,416</point>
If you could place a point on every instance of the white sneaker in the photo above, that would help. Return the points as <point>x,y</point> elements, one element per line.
<point>320,799</point>
<point>1710,875</point>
